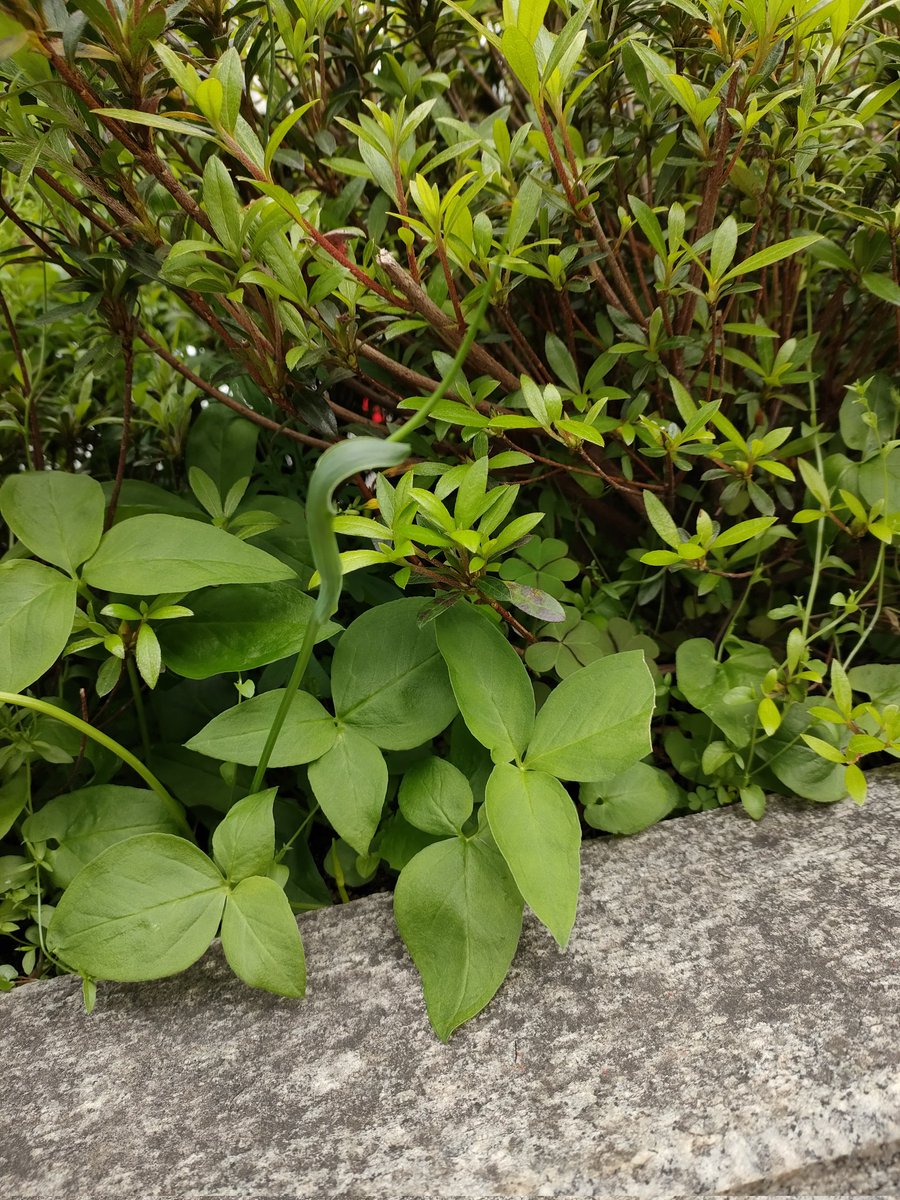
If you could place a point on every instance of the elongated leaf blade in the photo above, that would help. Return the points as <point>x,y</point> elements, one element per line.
<point>536,828</point>
<point>350,784</point>
<point>490,683</point>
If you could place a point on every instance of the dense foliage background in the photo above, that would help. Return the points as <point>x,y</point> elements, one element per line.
<point>235,235</point>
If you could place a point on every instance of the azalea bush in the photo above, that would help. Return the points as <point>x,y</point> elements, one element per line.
<point>430,434</point>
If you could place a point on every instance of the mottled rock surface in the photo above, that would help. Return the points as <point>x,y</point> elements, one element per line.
<point>724,1022</point>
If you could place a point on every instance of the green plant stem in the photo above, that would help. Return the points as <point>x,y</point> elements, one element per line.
<point>813,420</point>
<point>321,537</point>
<point>306,820</point>
<point>138,705</point>
<point>879,571</point>
<point>421,416</point>
<point>301,662</point>
<point>102,739</point>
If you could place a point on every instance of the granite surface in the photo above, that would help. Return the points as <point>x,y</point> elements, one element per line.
<point>725,1022</point>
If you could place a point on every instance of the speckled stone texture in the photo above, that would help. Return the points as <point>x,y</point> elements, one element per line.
<point>725,1022</point>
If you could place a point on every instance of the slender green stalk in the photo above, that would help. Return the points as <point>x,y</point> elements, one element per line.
<point>102,739</point>
<point>337,464</point>
<point>421,416</point>
<point>820,533</point>
<point>138,705</point>
<point>879,571</point>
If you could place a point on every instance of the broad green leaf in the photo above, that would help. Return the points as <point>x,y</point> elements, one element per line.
<point>58,516</point>
<point>630,802</point>
<point>148,555</point>
<point>490,683</point>
<point>460,914</point>
<point>882,286</point>
<point>13,797</point>
<point>261,940</point>
<point>706,684</point>
<point>388,680</point>
<point>237,627</point>
<point>536,828</point>
<point>350,783</point>
<point>435,796</point>
<point>89,821</point>
<point>37,606</point>
<point>596,723</point>
<point>223,444</point>
<point>145,908</point>
<point>243,843</point>
<point>799,770</point>
<point>879,681</point>
<point>239,734</point>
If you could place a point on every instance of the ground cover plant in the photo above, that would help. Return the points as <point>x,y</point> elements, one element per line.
<point>430,432</point>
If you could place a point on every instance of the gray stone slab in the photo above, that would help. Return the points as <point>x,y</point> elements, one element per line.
<point>724,1022</point>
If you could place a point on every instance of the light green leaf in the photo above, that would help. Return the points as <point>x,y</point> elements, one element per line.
<point>388,680</point>
<point>229,71</point>
<point>660,520</point>
<point>350,783</point>
<point>243,843</point>
<point>536,828</point>
<point>239,734</point>
<point>89,821</point>
<point>261,940</point>
<point>519,53</point>
<point>597,721</point>
<point>145,908</point>
<point>435,796</point>
<point>724,246</point>
<point>460,914</point>
<point>744,531</point>
<point>630,802</point>
<point>183,128</point>
<point>147,655</point>
<point>58,516</point>
<point>37,606</point>
<point>236,628</point>
<point>490,683</point>
<point>773,254</point>
<point>145,556</point>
